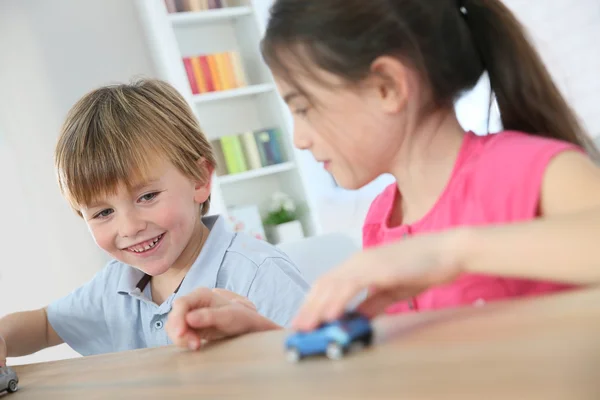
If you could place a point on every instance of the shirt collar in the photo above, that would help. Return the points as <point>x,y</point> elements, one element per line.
<point>203,272</point>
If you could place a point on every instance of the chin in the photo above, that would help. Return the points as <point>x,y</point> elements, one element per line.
<point>154,269</point>
<point>350,183</point>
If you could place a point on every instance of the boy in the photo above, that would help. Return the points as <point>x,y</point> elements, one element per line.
<point>133,162</point>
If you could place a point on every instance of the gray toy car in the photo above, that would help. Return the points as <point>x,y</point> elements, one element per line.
<point>8,380</point>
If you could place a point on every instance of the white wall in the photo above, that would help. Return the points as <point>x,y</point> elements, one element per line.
<point>567,34</point>
<point>51,52</point>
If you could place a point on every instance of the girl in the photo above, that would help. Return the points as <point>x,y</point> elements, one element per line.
<point>470,219</point>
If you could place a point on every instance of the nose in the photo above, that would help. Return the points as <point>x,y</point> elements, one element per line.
<point>302,139</point>
<point>130,224</point>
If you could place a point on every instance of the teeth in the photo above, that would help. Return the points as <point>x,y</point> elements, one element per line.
<point>140,249</point>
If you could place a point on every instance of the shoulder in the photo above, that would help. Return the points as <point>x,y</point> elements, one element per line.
<point>381,205</point>
<point>570,184</point>
<point>252,251</point>
<point>251,262</point>
<point>499,148</point>
<point>509,169</point>
<point>378,213</point>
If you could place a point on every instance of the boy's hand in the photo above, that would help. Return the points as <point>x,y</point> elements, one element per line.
<point>3,352</point>
<point>206,315</point>
<point>235,298</point>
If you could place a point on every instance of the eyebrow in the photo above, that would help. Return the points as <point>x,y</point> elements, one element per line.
<point>291,96</point>
<point>144,184</point>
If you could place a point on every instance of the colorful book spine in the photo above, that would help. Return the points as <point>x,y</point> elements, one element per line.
<point>221,168</point>
<point>238,69</point>
<point>251,150</point>
<point>174,6</point>
<point>274,142</point>
<point>171,7</point>
<point>189,70</point>
<point>215,72</point>
<point>233,154</point>
<point>198,74</point>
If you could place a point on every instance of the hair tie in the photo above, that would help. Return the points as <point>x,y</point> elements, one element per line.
<point>462,7</point>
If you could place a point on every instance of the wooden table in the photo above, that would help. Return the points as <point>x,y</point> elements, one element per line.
<point>547,348</point>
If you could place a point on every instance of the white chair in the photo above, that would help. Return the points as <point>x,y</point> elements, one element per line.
<point>316,255</point>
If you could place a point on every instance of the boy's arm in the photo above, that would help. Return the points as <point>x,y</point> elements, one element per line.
<point>25,333</point>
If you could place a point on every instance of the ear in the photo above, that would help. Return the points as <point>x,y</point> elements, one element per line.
<point>390,79</point>
<point>203,188</point>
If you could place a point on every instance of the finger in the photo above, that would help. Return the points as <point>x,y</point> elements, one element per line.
<point>228,321</point>
<point>338,303</point>
<point>311,314</point>
<point>202,297</point>
<point>378,303</point>
<point>207,318</point>
<point>193,340</point>
<point>303,319</point>
<point>234,297</point>
<point>330,297</point>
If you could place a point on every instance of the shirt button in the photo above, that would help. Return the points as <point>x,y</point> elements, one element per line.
<point>158,324</point>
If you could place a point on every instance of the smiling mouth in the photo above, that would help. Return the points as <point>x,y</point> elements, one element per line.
<point>147,245</point>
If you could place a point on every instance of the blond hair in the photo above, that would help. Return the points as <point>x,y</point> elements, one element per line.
<point>116,134</point>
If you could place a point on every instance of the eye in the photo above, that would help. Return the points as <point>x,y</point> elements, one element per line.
<point>301,111</point>
<point>148,197</point>
<point>104,213</point>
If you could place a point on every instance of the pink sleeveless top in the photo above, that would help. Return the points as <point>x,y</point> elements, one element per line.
<point>496,179</point>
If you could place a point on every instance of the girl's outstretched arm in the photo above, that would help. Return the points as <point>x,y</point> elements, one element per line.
<point>562,245</point>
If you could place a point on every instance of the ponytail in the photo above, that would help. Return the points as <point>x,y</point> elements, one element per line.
<point>528,99</point>
<point>450,42</point>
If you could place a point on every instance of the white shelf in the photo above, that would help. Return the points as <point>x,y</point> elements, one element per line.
<point>216,15</point>
<point>233,93</point>
<point>255,173</point>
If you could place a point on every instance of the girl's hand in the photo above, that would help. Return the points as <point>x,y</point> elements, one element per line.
<point>390,273</point>
<point>206,315</point>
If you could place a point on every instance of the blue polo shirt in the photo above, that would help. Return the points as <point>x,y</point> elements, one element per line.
<point>115,312</point>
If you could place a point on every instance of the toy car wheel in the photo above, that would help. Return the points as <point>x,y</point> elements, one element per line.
<point>293,355</point>
<point>334,351</point>
<point>13,386</point>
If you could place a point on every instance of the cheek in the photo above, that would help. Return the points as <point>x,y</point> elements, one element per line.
<point>175,216</point>
<point>103,236</point>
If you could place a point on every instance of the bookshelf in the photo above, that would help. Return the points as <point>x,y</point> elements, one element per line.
<point>183,44</point>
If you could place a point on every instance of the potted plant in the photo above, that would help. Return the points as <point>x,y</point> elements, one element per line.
<point>282,219</point>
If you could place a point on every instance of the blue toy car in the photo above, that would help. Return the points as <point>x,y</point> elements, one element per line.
<point>334,339</point>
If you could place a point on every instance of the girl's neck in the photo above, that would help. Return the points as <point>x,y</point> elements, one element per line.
<point>165,284</point>
<point>424,167</point>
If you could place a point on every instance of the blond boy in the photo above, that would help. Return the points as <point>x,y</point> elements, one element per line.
<point>134,164</point>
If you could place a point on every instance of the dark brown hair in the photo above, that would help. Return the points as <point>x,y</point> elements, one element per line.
<point>116,134</point>
<point>451,43</point>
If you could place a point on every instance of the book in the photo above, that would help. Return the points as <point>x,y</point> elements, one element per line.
<point>269,147</point>
<point>238,69</point>
<point>233,154</point>
<point>221,168</point>
<point>198,74</point>
<point>174,6</point>
<point>251,151</point>
<point>171,7</point>
<point>215,72</point>
<point>190,74</point>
